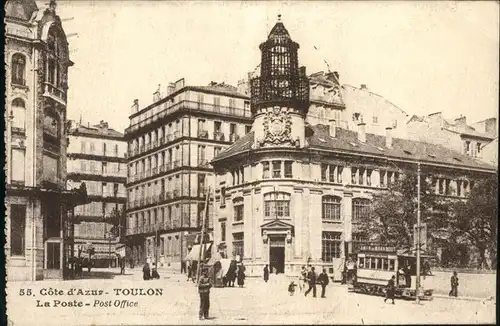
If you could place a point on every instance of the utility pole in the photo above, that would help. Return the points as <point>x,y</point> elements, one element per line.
<point>417,291</point>
<point>202,241</point>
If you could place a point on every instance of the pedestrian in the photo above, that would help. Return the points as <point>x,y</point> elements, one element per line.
<point>241,276</point>
<point>266,273</point>
<point>122,266</point>
<point>204,290</point>
<point>154,273</point>
<point>303,279</point>
<point>454,285</point>
<point>389,293</point>
<point>183,267</point>
<point>323,280</point>
<point>291,288</point>
<point>146,272</point>
<point>311,279</point>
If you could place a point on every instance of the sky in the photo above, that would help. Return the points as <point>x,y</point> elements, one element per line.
<point>424,57</point>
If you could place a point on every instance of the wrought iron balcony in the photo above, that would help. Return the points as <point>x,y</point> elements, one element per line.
<point>203,134</point>
<point>219,136</point>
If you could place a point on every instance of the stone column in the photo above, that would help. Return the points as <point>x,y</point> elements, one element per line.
<point>298,220</point>
<point>247,226</point>
<point>304,234</point>
<point>347,208</point>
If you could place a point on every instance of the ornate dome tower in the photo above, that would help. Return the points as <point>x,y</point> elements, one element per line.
<point>280,95</point>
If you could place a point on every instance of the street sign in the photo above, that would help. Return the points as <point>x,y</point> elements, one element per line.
<point>423,236</point>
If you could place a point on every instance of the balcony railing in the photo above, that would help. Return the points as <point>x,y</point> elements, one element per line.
<point>176,164</point>
<point>168,195</point>
<point>190,105</point>
<point>203,134</point>
<point>54,92</point>
<point>155,171</point>
<point>233,137</point>
<point>219,136</point>
<point>202,162</point>
<point>176,193</point>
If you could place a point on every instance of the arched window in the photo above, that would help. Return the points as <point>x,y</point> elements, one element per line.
<point>18,114</point>
<point>360,208</point>
<point>277,205</point>
<point>18,69</point>
<point>331,208</point>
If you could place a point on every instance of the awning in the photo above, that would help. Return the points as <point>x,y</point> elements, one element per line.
<point>194,254</point>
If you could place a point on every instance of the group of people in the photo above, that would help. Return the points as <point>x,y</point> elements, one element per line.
<point>236,272</point>
<point>308,277</point>
<point>149,274</point>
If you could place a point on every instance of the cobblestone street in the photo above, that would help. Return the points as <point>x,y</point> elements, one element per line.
<point>256,303</point>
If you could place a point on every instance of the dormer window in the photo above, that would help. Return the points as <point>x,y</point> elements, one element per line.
<point>467,147</point>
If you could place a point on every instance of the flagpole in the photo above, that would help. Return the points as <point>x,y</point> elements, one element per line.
<point>202,241</point>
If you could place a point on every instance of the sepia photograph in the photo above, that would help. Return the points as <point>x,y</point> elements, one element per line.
<point>251,162</point>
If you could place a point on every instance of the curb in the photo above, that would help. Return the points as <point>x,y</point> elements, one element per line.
<point>444,296</point>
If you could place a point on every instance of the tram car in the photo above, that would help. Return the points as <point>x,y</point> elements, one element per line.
<point>377,264</point>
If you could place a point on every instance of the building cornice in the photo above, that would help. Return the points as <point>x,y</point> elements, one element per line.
<point>94,157</point>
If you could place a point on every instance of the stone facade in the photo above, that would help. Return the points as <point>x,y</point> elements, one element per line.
<point>290,193</point>
<point>36,53</point>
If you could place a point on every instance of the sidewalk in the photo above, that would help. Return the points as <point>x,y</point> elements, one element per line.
<point>444,296</point>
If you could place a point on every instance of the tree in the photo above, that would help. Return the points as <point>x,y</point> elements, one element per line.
<point>394,212</point>
<point>476,219</point>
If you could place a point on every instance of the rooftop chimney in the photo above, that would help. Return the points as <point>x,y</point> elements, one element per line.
<point>462,120</point>
<point>362,132</point>
<point>170,88</point>
<point>135,106</point>
<point>363,86</point>
<point>388,137</point>
<point>157,95</point>
<point>242,86</point>
<point>333,128</point>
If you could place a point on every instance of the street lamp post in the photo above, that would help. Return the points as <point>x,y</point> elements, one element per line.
<point>417,290</point>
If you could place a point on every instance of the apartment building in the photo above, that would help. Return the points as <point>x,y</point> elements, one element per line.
<point>38,232</point>
<point>455,134</point>
<point>170,145</point>
<point>97,156</point>
<point>290,193</point>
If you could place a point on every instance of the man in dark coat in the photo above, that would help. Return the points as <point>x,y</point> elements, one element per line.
<point>146,272</point>
<point>311,279</point>
<point>323,280</point>
<point>454,285</point>
<point>389,294</point>
<point>204,291</point>
<point>266,274</point>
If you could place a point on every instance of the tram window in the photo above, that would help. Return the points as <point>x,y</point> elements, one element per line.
<point>373,263</point>
<point>391,264</point>
<point>386,264</point>
<point>379,263</point>
<point>361,262</point>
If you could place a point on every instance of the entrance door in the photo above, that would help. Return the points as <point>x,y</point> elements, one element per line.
<point>277,259</point>
<point>277,254</point>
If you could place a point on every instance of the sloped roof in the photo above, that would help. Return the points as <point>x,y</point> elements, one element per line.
<point>95,131</point>
<point>346,141</point>
<point>278,32</point>
<point>241,145</point>
<point>220,89</point>
<point>468,131</point>
<point>20,9</point>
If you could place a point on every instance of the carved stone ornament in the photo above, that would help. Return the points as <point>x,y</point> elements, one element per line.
<point>277,128</point>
